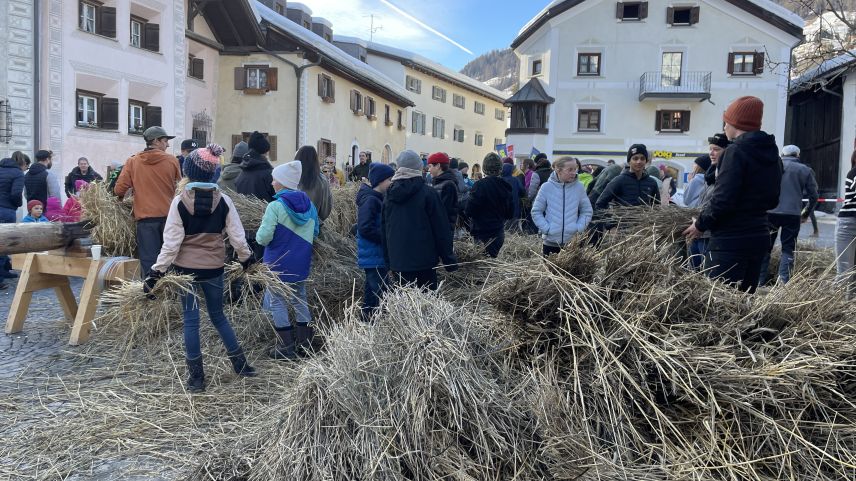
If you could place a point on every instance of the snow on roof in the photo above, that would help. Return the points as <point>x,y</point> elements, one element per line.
<point>299,6</point>
<point>334,54</point>
<point>831,65</point>
<point>322,21</point>
<point>541,13</point>
<point>426,64</point>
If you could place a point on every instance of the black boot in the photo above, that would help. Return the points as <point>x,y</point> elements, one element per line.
<point>239,362</point>
<point>195,375</point>
<point>285,347</point>
<point>304,335</point>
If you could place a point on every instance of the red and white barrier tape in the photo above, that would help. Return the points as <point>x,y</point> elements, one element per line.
<point>826,200</point>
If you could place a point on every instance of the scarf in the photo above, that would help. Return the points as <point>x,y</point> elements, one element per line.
<point>406,173</point>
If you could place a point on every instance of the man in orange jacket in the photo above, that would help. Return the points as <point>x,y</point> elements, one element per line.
<point>153,175</point>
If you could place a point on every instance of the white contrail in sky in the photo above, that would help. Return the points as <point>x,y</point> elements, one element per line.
<point>425,26</point>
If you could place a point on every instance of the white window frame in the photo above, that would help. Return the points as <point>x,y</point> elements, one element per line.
<point>459,101</point>
<point>751,64</point>
<point>87,23</point>
<point>438,123</point>
<point>261,72</point>
<point>499,114</point>
<point>413,84</point>
<point>458,134</point>
<point>89,117</point>
<point>438,93</point>
<point>417,125</point>
<point>602,124</point>
<point>478,107</point>
<point>138,36</point>
<point>136,107</point>
<point>589,51</point>
<point>540,63</point>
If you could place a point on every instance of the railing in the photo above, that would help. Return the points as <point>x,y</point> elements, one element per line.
<point>694,85</point>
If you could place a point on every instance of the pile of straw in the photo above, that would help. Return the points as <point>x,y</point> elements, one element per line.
<point>110,220</point>
<point>335,281</point>
<point>250,208</point>
<point>343,217</point>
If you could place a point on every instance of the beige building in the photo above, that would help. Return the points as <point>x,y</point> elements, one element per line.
<point>453,113</point>
<point>598,76</point>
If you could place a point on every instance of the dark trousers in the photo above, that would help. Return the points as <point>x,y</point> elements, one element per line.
<point>551,250</point>
<point>422,279</point>
<point>492,241</point>
<point>149,242</point>
<point>739,267</point>
<point>376,283</point>
<point>7,216</point>
<point>790,227</point>
<point>698,252</point>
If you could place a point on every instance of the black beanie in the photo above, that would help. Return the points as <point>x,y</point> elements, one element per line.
<point>453,163</point>
<point>703,161</point>
<point>637,149</point>
<point>259,143</point>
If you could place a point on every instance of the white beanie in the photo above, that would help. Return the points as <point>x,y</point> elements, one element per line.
<point>288,174</point>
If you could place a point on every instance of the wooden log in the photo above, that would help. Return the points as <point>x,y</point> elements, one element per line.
<point>38,236</point>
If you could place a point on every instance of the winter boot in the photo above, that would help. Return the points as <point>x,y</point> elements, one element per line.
<point>196,375</point>
<point>285,347</point>
<point>304,335</point>
<point>239,362</point>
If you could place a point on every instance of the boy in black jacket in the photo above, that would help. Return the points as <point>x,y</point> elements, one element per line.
<point>490,205</point>
<point>416,229</point>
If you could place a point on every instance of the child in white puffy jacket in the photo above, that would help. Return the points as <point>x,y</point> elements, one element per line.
<point>561,208</point>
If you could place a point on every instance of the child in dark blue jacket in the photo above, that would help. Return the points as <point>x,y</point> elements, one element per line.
<point>370,235</point>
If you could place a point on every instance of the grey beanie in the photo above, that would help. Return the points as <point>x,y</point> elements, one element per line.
<point>241,149</point>
<point>492,164</point>
<point>409,159</point>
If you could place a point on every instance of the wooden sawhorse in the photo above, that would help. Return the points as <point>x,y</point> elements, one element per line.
<point>45,270</point>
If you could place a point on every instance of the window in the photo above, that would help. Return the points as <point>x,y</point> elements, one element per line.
<point>438,93</point>
<point>414,84</point>
<point>536,67</point>
<point>136,34</point>
<point>588,120</point>
<point>326,88</point>
<point>400,123</point>
<point>673,120</point>
<point>459,101</point>
<point>529,116</point>
<point>479,139</point>
<point>438,128</point>
<point>356,102</point>
<point>670,69</point>
<point>631,11</point>
<point>195,68</point>
<point>371,108</point>
<point>255,79</point>
<point>746,63</point>
<point>87,17</point>
<point>458,134</point>
<point>87,111</point>
<point>588,64</point>
<point>418,123</point>
<point>279,9</point>
<point>497,142</point>
<point>499,114</point>
<point>678,16</point>
<point>136,117</point>
<point>387,115</point>
<point>478,107</point>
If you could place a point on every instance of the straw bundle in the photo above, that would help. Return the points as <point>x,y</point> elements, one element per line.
<point>112,224</point>
<point>335,280</point>
<point>343,217</point>
<point>250,208</point>
<point>668,221</point>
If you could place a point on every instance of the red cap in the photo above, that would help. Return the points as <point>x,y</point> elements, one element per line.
<point>438,158</point>
<point>745,113</point>
<point>34,203</point>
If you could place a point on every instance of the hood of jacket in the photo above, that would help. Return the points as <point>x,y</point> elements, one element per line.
<point>554,179</point>
<point>297,204</point>
<point>447,176</point>
<point>507,169</point>
<point>36,169</point>
<point>153,156</point>
<point>365,193</point>
<point>200,198</point>
<point>230,172</point>
<point>255,161</point>
<point>756,142</point>
<point>403,189</point>
<point>9,163</point>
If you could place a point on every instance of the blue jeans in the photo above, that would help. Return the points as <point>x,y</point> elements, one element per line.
<point>790,227</point>
<point>212,289</point>
<point>698,251</point>
<point>376,283</point>
<point>7,216</point>
<point>297,300</point>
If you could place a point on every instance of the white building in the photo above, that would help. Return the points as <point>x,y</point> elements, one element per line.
<point>18,77</point>
<point>598,76</point>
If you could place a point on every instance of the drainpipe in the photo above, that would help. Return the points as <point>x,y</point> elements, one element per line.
<point>298,72</point>
<point>36,74</point>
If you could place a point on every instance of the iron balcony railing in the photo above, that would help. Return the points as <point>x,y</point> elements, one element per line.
<point>692,85</point>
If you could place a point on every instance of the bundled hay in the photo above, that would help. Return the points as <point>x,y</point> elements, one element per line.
<point>250,208</point>
<point>343,217</point>
<point>335,280</point>
<point>809,260</point>
<point>668,222</point>
<point>111,222</point>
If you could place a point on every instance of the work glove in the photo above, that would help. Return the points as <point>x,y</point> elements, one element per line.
<point>152,279</point>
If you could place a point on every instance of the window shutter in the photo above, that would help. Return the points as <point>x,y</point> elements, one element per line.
<point>153,116</point>
<point>109,113</point>
<point>320,85</point>
<point>694,14</point>
<point>236,139</point>
<point>332,91</point>
<point>271,78</point>
<point>151,40</point>
<point>353,101</point>
<point>657,120</point>
<point>272,154</point>
<point>320,151</point>
<point>758,63</point>
<point>685,121</point>
<point>197,67</point>
<point>643,10</point>
<point>670,15</point>
<point>240,78</point>
<point>333,150</point>
<point>106,21</point>
<point>619,10</point>
<point>730,63</point>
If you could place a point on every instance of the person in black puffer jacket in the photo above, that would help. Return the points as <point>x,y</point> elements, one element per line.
<point>633,186</point>
<point>748,182</point>
<point>446,185</point>
<point>83,172</point>
<point>416,231</point>
<point>11,197</point>
<point>255,177</point>
<point>490,206</point>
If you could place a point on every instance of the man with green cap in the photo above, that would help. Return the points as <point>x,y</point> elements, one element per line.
<point>152,175</point>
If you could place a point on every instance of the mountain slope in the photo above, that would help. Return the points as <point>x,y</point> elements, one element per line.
<point>497,68</point>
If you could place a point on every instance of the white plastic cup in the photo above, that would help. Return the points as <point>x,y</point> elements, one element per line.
<point>96,252</point>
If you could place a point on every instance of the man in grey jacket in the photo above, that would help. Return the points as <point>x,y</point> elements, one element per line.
<point>797,181</point>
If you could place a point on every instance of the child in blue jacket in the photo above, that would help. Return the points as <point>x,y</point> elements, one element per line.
<point>288,229</point>
<point>370,235</point>
<point>35,212</point>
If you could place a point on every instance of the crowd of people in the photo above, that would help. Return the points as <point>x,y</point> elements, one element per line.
<point>409,212</point>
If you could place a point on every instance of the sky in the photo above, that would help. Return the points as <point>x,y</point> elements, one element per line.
<point>441,30</point>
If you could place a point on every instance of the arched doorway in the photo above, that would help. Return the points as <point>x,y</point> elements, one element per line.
<point>386,155</point>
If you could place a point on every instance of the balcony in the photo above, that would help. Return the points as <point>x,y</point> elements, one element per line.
<point>684,85</point>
